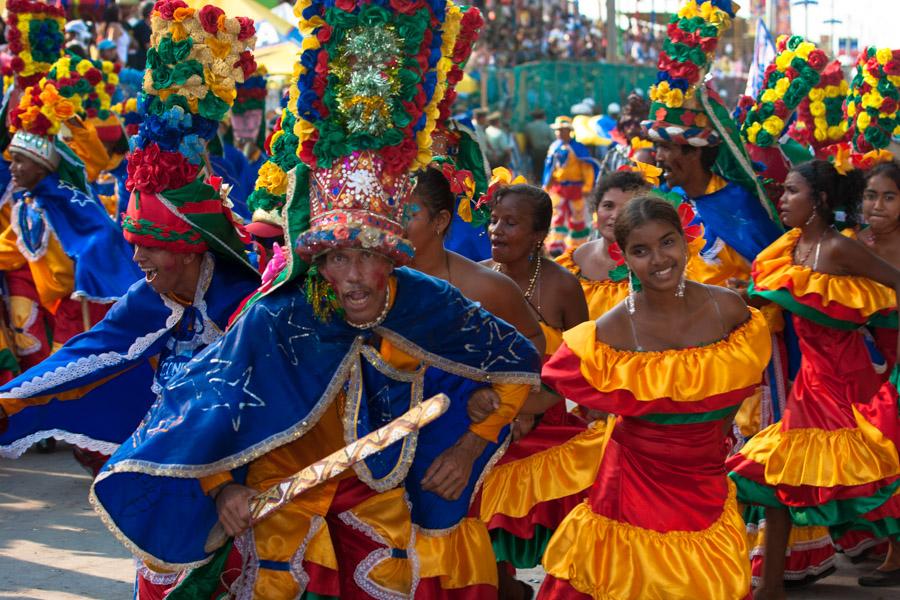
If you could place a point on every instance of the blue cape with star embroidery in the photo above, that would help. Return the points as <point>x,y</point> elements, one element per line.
<point>95,390</point>
<point>736,216</point>
<point>270,378</point>
<point>103,267</point>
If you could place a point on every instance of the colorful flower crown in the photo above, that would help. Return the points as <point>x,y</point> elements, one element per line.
<point>88,84</point>
<point>36,37</point>
<point>41,110</point>
<point>366,101</point>
<point>788,80</point>
<point>196,60</point>
<point>820,116</point>
<point>687,52</point>
<point>874,99</point>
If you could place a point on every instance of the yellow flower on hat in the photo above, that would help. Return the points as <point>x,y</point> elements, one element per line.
<point>774,125</point>
<point>884,56</point>
<point>783,61</point>
<point>782,85</point>
<point>675,98</point>
<point>818,94</point>
<point>303,129</point>
<point>769,96</point>
<point>872,100</point>
<point>272,178</point>
<point>863,120</point>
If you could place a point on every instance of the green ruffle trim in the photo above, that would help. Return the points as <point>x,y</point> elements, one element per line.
<point>521,553</point>
<point>683,419</point>
<point>882,528</point>
<point>786,300</point>
<point>830,514</point>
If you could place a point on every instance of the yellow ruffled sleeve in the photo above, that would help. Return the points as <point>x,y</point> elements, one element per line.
<point>53,274</point>
<point>640,382</point>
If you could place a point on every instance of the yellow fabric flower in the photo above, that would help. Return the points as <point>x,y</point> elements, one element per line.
<point>689,10</point>
<point>872,100</point>
<point>817,94</point>
<point>181,14</point>
<point>884,55</point>
<point>303,129</point>
<point>783,61</point>
<point>773,125</point>
<point>835,132</point>
<point>851,108</point>
<point>863,120</point>
<point>769,96</point>
<point>83,67</point>
<point>817,109</point>
<point>781,86</point>
<point>675,98</point>
<point>804,49</point>
<point>272,178</point>
<point>310,43</point>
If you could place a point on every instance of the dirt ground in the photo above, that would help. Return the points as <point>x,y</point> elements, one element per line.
<point>54,547</point>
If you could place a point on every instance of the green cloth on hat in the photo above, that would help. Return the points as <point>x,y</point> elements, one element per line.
<point>215,228</point>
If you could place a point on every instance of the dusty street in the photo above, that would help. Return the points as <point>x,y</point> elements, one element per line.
<point>54,547</point>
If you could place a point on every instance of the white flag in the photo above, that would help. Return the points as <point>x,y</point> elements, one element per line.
<point>763,54</point>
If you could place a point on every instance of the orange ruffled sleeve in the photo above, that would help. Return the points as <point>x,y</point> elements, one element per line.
<point>691,380</point>
<point>840,296</point>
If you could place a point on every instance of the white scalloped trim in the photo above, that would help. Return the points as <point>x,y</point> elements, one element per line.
<point>88,364</point>
<point>18,448</point>
<point>155,577</point>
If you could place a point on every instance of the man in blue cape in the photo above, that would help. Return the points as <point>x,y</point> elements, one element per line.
<point>317,360</point>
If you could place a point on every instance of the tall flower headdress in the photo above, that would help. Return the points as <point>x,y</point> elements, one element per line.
<point>685,110</point>
<point>36,36</point>
<point>820,116</point>
<point>686,56</point>
<point>874,100</point>
<point>195,62</point>
<point>455,149</point>
<point>369,82</point>
<point>788,81</point>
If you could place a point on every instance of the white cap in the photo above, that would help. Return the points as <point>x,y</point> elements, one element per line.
<point>613,108</point>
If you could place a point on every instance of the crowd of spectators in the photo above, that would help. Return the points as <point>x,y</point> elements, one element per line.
<point>532,30</point>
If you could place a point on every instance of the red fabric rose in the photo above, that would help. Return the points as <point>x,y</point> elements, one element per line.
<point>93,76</point>
<point>892,67</point>
<point>889,105</point>
<point>17,64</point>
<point>246,63</point>
<point>248,30</point>
<point>346,5</point>
<point>407,7</point>
<point>709,44</point>
<point>167,8</point>
<point>306,154</point>
<point>398,158</point>
<point>209,18</point>
<point>817,60</point>
<point>13,36</point>
<point>791,73</point>
<point>781,109</point>
<point>323,33</point>
<point>455,75</point>
<point>471,20</point>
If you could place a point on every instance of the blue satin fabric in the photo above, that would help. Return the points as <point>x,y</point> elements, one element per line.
<point>112,411</point>
<point>120,173</point>
<point>468,240</point>
<point>736,216</point>
<point>103,267</point>
<point>265,382</point>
